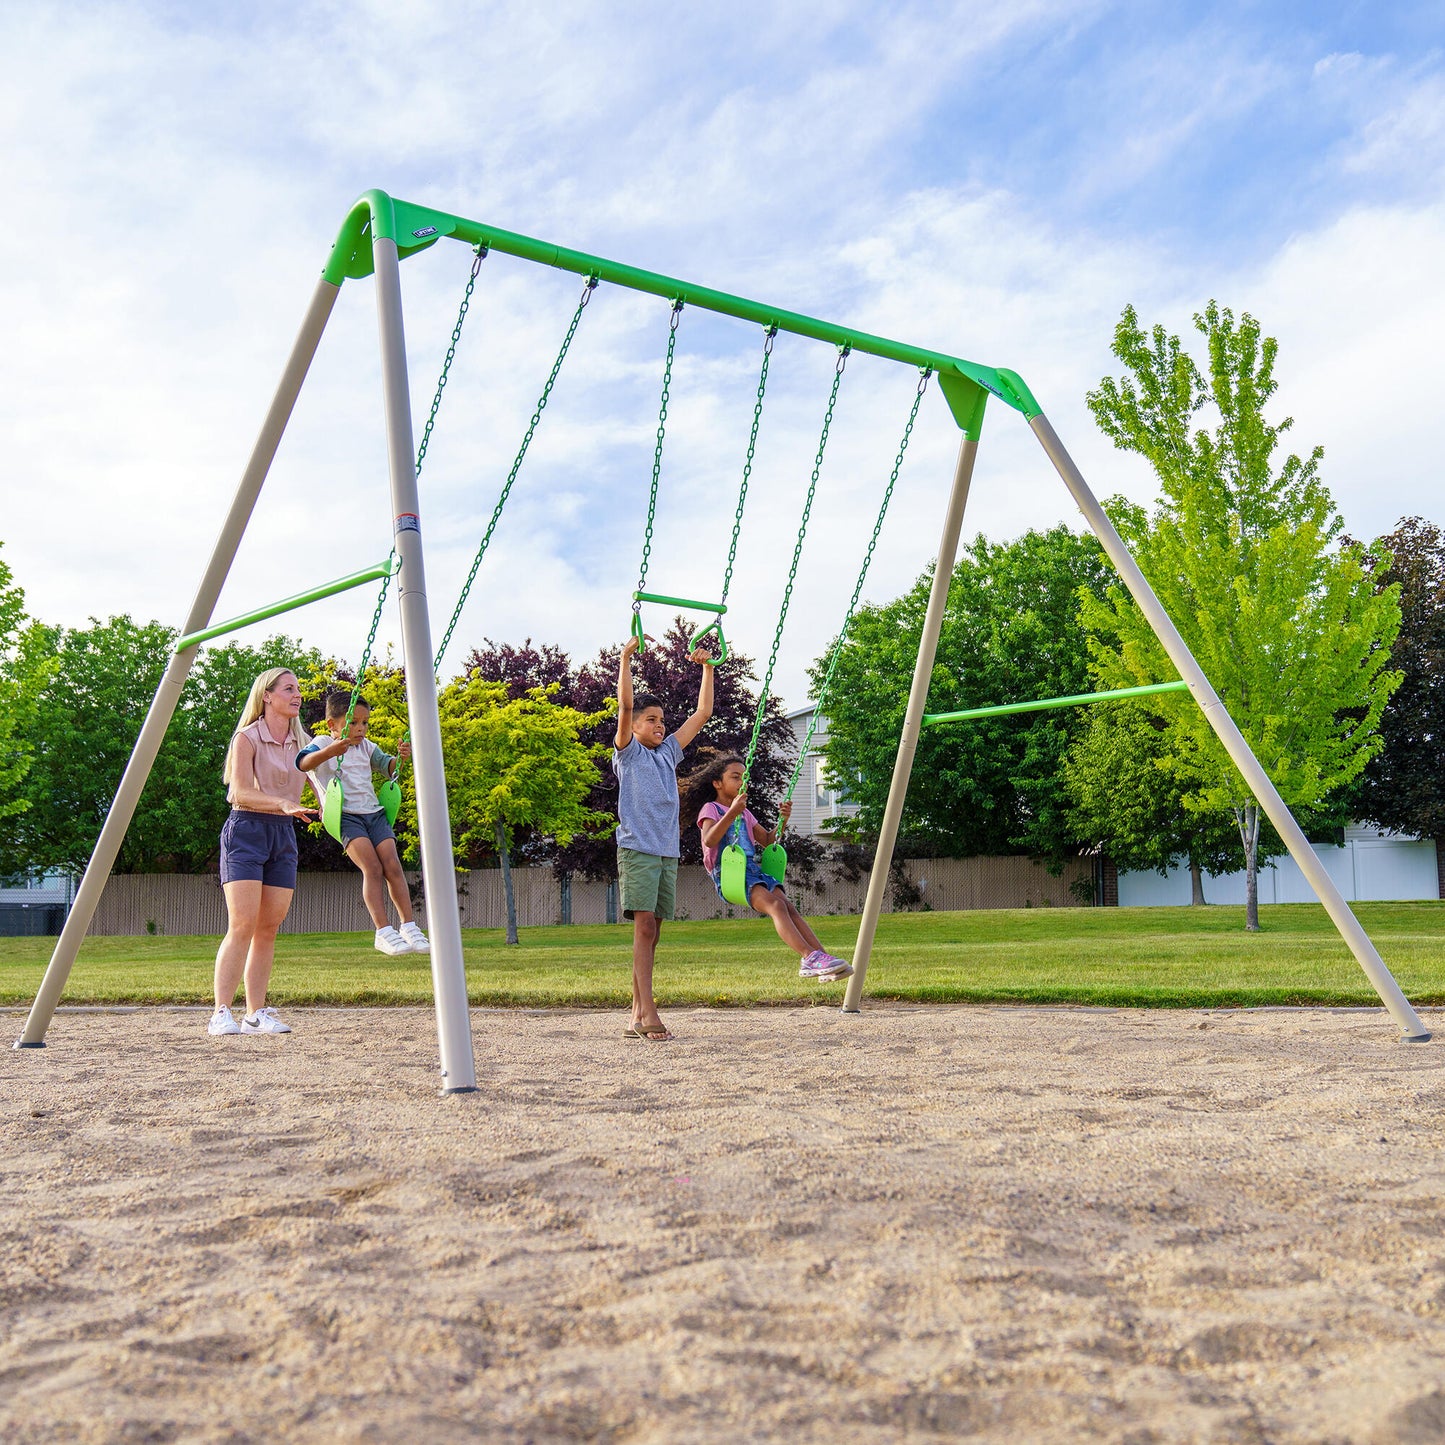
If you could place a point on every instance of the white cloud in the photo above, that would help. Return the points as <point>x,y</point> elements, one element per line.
<point>178,187</point>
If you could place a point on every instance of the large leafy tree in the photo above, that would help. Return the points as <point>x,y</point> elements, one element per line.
<point>1403,786</point>
<point>1244,552</point>
<point>517,762</point>
<point>92,708</point>
<point>26,665</point>
<point>1011,634</point>
<point>1123,798</point>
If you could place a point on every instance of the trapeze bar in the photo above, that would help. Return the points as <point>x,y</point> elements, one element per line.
<point>718,607</point>
<point>1045,703</point>
<point>389,568</point>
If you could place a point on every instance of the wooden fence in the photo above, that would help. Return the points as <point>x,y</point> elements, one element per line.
<point>173,903</point>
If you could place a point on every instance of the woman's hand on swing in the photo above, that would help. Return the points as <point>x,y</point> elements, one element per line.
<point>404,751</point>
<point>703,656</point>
<point>785,811</point>
<point>738,804</point>
<point>629,648</point>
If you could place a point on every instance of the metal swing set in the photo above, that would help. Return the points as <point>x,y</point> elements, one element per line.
<point>378,233</point>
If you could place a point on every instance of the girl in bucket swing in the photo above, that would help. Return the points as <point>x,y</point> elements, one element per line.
<point>714,795</point>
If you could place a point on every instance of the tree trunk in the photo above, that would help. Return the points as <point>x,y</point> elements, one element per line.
<point>1196,883</point>
<point>1248,820</point>
<point>511,898</point>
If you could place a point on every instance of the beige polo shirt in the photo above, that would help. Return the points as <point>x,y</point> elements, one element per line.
<point>276,772</point>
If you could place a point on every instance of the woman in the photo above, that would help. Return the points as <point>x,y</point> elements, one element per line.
<point>258,847</point>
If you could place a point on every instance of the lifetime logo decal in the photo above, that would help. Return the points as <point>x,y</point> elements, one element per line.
<point>407,522</point>
<point>424,232</point>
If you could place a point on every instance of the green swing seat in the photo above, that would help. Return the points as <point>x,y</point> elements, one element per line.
<point>773,860</point>
<point>333,801</point>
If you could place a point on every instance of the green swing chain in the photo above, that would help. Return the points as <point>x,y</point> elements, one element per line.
<point>769,338</point>
<point>763,692</point>
<point>656,467</point>
<point>431,421</point>
<point>858,586</point>
<point>588,287</point>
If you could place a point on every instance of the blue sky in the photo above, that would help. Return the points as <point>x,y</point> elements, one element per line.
<point>994,183</point>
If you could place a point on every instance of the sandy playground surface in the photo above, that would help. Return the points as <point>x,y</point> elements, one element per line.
<point>920,1223</point>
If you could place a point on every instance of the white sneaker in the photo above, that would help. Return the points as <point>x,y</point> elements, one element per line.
<point>222,1023</point>
<point>388,940</point>
<point>264,1021</point>
<point>419,942</point>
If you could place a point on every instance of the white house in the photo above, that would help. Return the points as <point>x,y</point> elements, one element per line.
<point>817,797</point>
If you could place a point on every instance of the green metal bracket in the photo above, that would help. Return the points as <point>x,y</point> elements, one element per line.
<point>414,228</point>
<point>1043,704</point>
<point>389,568</point>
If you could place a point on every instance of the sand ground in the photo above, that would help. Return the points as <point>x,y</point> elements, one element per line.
<point>920,1223</point>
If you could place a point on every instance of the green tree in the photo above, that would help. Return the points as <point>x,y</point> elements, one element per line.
<point>1011,633</point>
<point>514,763</point>
<point>26,665</point>
<point>1287,624</point>
<point>1123,799</point>
<point>90,714</point>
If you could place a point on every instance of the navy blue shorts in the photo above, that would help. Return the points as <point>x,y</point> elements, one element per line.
<point>372,826</point>
<point>259,848</point>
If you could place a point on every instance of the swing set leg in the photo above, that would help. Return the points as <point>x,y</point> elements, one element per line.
<point>912,722</point>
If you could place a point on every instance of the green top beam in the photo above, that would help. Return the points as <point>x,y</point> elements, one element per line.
<point>389,568</point>
<point>1044,703</point>
<point>966,385</point>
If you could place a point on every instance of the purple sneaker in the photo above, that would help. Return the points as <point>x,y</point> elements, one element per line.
<point>824,966</point>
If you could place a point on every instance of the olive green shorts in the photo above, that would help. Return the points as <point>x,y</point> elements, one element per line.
<point>648,884</point>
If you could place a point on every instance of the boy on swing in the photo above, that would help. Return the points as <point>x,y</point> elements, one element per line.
<point>645,758</point>
<point>365,833</point>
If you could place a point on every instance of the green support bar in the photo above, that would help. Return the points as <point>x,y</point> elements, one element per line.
<point>718,607</point>
<point>1044,703</point>
<point>965,384</point>
<point>388,568</point>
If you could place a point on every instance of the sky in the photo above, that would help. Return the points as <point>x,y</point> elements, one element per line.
<point>996,183</point>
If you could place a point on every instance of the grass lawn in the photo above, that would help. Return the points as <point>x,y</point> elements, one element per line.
<point>1150,957</point>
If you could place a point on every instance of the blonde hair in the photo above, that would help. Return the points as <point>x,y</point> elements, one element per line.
<point>255,708</point>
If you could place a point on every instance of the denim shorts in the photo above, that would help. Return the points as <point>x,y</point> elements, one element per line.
<point>259,848</point>
<point>366,825</point>
<point>755,875</point>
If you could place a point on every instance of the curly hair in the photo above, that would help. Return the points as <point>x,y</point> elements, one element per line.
<point>697,787</point>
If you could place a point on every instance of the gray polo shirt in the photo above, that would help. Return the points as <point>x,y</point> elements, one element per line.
<point>647,797</point>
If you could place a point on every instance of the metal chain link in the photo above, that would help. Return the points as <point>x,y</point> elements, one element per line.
<point>588,287</point>
<point>858,586</point>
<point>657,451</point>
<point>763,692</point>
<point>431,421</point>
<point>768,340</point>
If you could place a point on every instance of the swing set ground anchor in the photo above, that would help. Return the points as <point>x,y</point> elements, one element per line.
<point>462,1089</point>
<point>40,1044</point>
<point>1416,1038</point>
